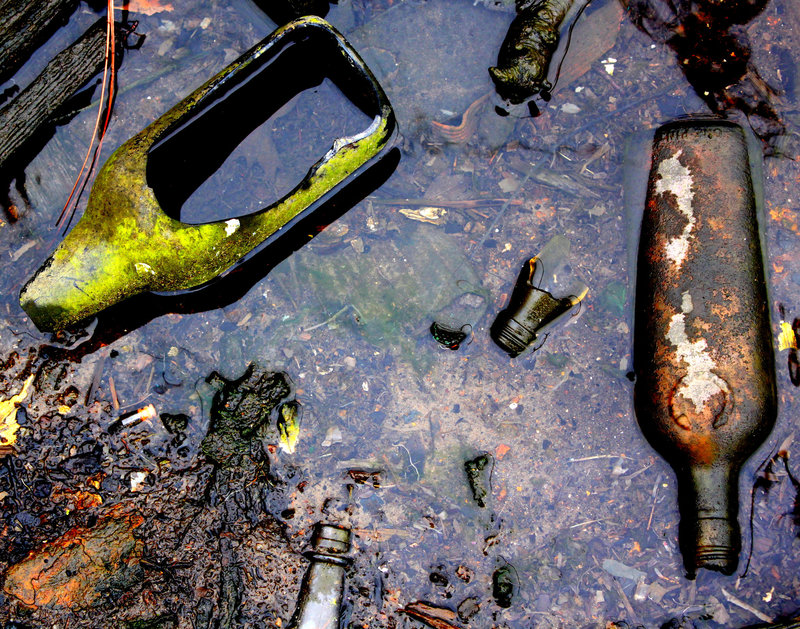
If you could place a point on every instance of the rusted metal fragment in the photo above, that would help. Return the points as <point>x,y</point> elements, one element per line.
<point>76,569</point>
<point>705,393</point>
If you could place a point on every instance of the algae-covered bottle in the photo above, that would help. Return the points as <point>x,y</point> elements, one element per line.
<point>705,394</point>
<point>319,605</point>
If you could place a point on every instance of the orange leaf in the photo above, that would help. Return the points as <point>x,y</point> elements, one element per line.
<point>501,450</point>
<point>147,7</point>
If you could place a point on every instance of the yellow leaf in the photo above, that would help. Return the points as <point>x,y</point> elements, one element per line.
<point>8,414</point>
<point>786,338</point>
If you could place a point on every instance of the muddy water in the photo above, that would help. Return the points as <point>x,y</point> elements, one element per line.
<point>580,513</point>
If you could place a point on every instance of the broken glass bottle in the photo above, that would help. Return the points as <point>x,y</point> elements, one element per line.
<point>705,394</point>
<point>128,243</point>
<point>320,600</point>
<point>545,293</point>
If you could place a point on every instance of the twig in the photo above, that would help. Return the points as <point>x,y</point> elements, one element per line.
<point>625,601</point>
<point>410,460</point>
<point>114,398</point>
<point>600,456</point>
<point>574,526</point>
<point>653,508</point>
<point>464,204</point>
<point>98,133</point>
<point>328,320</point>
<point>740,603</point>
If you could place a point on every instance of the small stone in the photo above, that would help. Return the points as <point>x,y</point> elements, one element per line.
<point>640,594</point>
<point>334,435</point>
<point>137,479</point>
<point>349,362</point>
<point>468,608</point>
<point>357,244</point>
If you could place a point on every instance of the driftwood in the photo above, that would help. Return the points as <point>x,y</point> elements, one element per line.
<point>31,111</point>
<point>25,25</point>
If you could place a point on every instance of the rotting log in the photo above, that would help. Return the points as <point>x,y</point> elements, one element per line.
<point>26,116</point>
<point>25,25</point>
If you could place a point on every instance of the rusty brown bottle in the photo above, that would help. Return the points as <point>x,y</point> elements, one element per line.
<point>705,394</point>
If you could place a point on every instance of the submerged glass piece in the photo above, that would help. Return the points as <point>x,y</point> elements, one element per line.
<point>535,305</point>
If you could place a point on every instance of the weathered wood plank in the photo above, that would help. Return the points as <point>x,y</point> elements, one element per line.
<point>24,117</point>
<point>25,25</point>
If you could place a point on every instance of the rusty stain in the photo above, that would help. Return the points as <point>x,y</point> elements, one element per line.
<point>72,570</point>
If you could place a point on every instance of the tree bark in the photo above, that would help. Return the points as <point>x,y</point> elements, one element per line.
<point>28,113</point>
<point>25,25</point>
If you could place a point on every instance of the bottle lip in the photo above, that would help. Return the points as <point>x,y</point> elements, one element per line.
<point>338,560</point>
<point>723,559</point>
<point>332,539</point>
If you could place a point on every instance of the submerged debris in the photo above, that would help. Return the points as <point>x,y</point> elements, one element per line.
<point>8,415</point>
<point>447,337</point>
<point>128,420</point>
<point>289,426</point>
<point>431,615</point>
<point>540,299</point>
<point>78,568</point>
<point>524,57</point>
<point>479,475</point>
<point>240,408</point>
<point>505,585</point>
<point>714,52</point>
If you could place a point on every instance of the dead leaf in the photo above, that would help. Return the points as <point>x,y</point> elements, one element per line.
<point>500,451</point>
<point>436,617</point>
<point>433,215</point>
<point>146,7</point>
<point>8,414</point>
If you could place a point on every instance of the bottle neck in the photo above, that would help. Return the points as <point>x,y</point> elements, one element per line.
<point>709,529</point>
<point>320,597</point>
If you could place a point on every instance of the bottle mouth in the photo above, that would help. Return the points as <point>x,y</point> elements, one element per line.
<point>331,539</point>
<point>714,544</point>
<point>722,559</point>
<point>512,337</point>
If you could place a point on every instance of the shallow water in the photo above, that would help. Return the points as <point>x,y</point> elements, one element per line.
<point>573,484</point>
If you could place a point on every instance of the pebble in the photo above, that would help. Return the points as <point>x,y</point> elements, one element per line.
<point>334,435</point>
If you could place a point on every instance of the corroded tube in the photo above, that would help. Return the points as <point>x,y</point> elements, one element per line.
<point>705,394</point>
